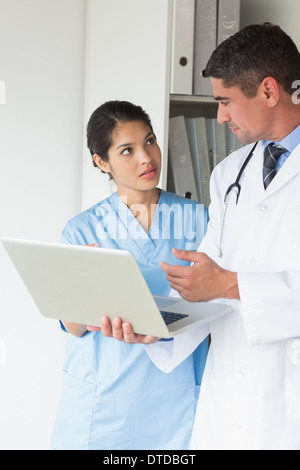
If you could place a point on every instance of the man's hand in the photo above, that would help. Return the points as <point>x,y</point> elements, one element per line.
<point>121,331</point>
<point>205,280</point>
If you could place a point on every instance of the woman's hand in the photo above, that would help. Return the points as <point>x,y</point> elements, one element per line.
<point>122,332</point>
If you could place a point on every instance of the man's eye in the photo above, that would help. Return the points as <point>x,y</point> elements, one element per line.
<point>225,103</point>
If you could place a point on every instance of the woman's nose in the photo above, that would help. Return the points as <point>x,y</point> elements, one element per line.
<point>145,156</point>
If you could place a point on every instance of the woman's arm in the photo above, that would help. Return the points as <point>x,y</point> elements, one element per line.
<point>75,329</point>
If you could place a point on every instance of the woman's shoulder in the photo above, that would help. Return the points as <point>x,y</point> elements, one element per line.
<point>93,212</point>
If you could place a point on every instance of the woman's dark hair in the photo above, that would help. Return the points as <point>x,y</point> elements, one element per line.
<point>252,54</point>
<point>104,121</point>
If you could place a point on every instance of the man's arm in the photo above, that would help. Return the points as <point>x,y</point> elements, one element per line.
<point>270,302</point>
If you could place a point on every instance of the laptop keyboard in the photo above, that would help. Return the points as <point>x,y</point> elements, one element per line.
<point>170,317</point>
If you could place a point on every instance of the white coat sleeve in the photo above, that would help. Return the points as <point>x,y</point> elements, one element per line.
<point>271,313</point>
<point>167,355</point>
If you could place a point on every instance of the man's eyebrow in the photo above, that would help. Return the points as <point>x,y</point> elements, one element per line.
<point>128,145</point>
<point>221,98</point>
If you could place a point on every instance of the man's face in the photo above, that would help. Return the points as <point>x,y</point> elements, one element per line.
<point>248,118</point>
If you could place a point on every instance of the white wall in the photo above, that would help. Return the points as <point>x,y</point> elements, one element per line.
<point>285,14</point>
<point>128,58</point>
<point>42,59</point>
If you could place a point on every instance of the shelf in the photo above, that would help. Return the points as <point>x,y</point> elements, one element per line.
<point>193,106</point>
<point>192,99</point>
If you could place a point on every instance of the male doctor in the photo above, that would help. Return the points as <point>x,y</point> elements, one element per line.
<point>250,257</point>
<point>250,396</point>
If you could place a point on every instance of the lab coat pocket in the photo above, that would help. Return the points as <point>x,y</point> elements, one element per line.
<point>74,416</point>
<point>293,223</point>
<point>293,380</point>
<point>289,235</point>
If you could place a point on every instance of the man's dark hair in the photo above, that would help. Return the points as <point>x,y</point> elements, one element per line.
<point>252,54</point>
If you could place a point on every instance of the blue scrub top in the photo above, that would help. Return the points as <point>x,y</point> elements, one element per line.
<point>113,397</point>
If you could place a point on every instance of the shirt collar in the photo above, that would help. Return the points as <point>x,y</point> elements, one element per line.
<point>290,142</point>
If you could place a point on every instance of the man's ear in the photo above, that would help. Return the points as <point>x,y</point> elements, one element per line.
<point>270,88</point>
<point>104,166</point>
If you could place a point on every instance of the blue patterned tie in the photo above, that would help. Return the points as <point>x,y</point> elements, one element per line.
<point>271,157</point>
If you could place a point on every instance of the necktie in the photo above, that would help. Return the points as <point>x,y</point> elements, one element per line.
<point>271,157</point>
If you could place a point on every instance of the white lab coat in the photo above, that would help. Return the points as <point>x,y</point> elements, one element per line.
<point>250,395</point>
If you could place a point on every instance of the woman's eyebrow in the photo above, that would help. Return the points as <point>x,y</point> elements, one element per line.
<point>127,145</point>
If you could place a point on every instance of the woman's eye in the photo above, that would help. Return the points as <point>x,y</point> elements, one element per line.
<point>127,151</point>
<point>150,141</point>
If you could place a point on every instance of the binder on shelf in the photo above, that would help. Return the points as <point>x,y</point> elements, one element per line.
<point>216,140</point>
<point>2,92</point>
<point>228,18</point>
<point>196,131</point>
<point>180,159</point>
<point>183,47</point>
<point>205,43</point>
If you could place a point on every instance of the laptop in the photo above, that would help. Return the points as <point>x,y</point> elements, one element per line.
<point>81,284</point>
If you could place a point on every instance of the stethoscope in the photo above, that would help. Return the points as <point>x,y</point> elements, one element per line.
<point>234,188</point>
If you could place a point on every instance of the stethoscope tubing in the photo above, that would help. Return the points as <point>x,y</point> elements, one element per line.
<point>236,188</point>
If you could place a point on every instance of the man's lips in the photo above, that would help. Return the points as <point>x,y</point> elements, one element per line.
<point>149,173</point>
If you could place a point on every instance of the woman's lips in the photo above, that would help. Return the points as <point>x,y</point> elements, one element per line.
<point>150,173</point>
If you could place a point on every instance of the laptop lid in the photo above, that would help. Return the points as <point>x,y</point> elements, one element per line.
<point>81,284</point>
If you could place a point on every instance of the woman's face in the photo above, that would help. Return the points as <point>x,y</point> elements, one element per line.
<point>134,157</point>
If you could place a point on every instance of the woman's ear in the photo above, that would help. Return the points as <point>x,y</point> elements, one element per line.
<point>103,165</point>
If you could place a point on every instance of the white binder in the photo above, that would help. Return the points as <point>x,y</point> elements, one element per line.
<point>228,19</point>
<point>205,43</point>
<point>2,92</point>
<point>180,159</point>
<point>216,139</point>
<point>196,130</point>
<point>183,47</point>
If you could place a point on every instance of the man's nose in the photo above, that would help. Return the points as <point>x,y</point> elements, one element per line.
<point>223,114</point>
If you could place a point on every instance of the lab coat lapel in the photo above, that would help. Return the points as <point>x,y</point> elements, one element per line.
<point>289,170</point>
<point>252,180</point>
<point>256,168</point>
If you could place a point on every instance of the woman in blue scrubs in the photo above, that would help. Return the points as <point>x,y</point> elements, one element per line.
<point>113,397</point>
